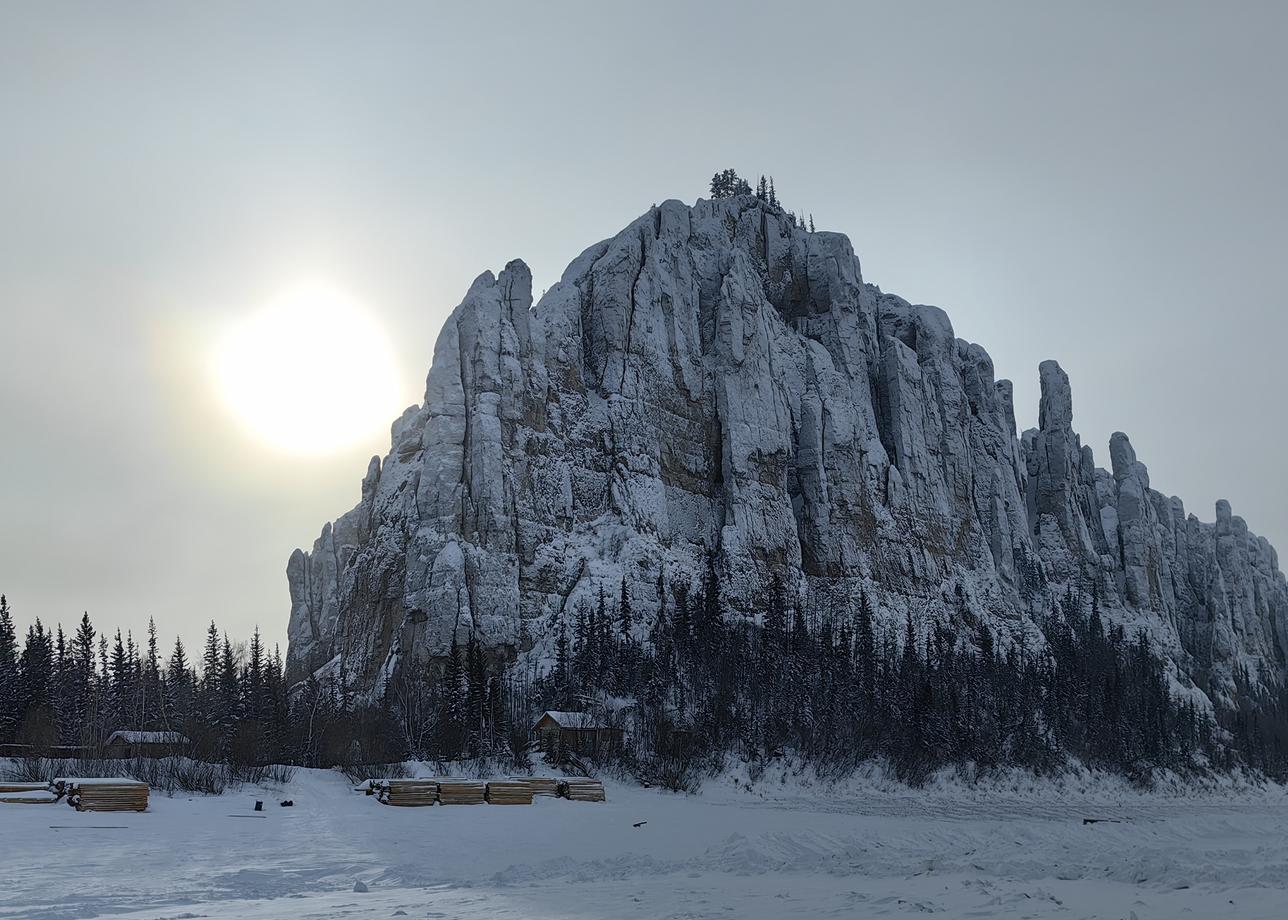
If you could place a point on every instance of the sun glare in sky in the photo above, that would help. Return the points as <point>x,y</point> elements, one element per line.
<point>310,373</point>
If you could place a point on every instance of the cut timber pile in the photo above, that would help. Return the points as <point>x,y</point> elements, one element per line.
<point>409,793</point>
<point>23,787</point>
<point>104,794</point>
<point>38,795</point>
<point>509,792</point>
<point>461,791</point>
<point>540,785</point>
<point>582,790</point>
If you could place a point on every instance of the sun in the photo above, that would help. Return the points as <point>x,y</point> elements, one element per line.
<point>310,373</point>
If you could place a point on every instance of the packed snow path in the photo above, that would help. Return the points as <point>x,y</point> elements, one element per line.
<point>778,852</point>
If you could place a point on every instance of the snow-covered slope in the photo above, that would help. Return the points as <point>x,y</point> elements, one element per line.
<point>714,381</point>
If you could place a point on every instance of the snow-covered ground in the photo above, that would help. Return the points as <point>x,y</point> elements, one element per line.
<point>785,849</point>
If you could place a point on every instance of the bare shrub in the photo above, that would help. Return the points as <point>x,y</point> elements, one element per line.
<point>47,769</point>
<point>678,776</point>
<point>279,774</point>
<point>31,770</point>
<point>199,776</point>
<point>253,774</point>
<point>165,774</point>
<point>361,772</point>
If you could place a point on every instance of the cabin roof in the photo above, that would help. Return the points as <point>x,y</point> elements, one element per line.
<point>128,737</point>
<point>570,719</point>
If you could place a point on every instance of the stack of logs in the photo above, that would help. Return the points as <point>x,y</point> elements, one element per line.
<point>540,785</point>
<point>582,790</point>
<point>462,792</point>
<point>113,794</point>
<point>517,790</point>
<point>26,794</point>
<point>407,793</point>
<point>509,792</point>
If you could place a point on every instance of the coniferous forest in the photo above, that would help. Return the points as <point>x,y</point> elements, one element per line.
<point>688,686</point>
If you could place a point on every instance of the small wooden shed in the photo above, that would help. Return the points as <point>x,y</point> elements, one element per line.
<point>575,732</point>
<point>126,744</point>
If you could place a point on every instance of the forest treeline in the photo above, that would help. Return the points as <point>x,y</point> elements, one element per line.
<point>687,685</point>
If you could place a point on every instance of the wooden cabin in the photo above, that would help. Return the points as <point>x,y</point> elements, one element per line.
<point>575,733</point>
<point>128,744</point>
<point>676,741</point>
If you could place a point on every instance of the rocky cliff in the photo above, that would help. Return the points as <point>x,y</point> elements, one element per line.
<point>716,383</point>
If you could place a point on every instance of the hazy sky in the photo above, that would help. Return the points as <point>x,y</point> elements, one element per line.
<point>1097,183</point>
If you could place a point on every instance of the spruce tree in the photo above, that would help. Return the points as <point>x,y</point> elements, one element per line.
<point>208,702</point>
<point>562,663</point>
<point>119,694</point>
<point>453,700</point>
<point>38,722</point>
<point>727,183</point>
<point>476,689</point>
<point>254,689</point>
<point>275,731</point>
<point>229,711</point>
<point>84,685</point>
<point>581,650</point>
<point>9,677</point>
<point>151,682</point>
<point>682,621</point>
<point>177,709</point>
<point>711,617</point>
<point>497,717</point>
<point>625,616</point>
<point>64,700</point>
<point>865,652</point>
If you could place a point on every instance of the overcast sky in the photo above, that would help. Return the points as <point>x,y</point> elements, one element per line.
<point>1098,183</point>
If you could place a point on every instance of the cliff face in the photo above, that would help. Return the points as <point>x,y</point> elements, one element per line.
<point>714,382</point>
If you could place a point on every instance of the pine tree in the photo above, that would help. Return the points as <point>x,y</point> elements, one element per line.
<point>865,650</point>
<point>9,677</point>
<point>151,682</point>
<point>84,686</point>
<point>64,700</point>
<point>498,718</point>
<point>727,184</point>
<point>254,704</point>
<point>625,616</point>
<point>133,672</point>
<point>275,731</point>
<point>581,647</point>
<point>229,711</point>
<point>119,694</point>
<point>774,617</point>
<point>38,723</point>
<point>681,625</point>
<point>453,696</point>
<point>208,699</point>
<point>210,659</point>
<point>562,663</point>
<point>711,617</point>
<point>475,690</point>
<point>177,710</point>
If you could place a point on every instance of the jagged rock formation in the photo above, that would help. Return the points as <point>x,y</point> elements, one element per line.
<point>716,382</point>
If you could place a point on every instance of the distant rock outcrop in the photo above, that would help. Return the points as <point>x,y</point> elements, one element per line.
<point>715,382</point>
